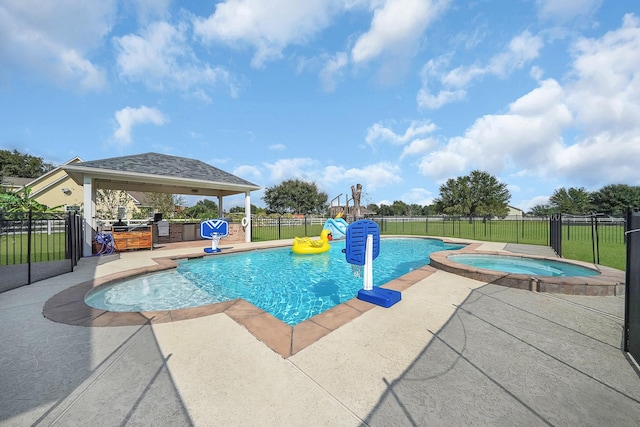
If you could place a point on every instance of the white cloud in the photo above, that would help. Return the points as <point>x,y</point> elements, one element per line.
<point>566,10</point>
<point>296,168</point>
<point>444,97</point>
<point>371,176</point>
<point>396,25</point>
<point>529,135</point>
<point>333,70</point>
<point>149,10</point>
<point>53,40</point>
<point>419,146</point>
<point>248,172</point>
<point>277,147</point>
<point>522,49</point>
<point>129,117</point>
<point>267,26</point>
<point>606,90</point>
<point>527,205</point>
<point>586,131</point>
<point>378,132</point>
<point>605,96</point>
<point>161,58</point>
<point>418,196</point>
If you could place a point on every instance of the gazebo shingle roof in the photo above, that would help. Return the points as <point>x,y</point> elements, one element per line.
<point>165,165</point>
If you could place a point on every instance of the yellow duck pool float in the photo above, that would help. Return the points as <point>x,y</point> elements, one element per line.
<point>305,245</point>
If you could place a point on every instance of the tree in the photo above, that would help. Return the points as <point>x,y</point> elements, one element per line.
<point>22,202</point>
<point>614,199</point>
<point>574,201</point>
<point>295,196</point>
<point>429,210</point>
<point>399,208</point>
<point>372,207</point>
<point>108,202</point>
<point>414,209</point>
<point>203,209</point>
<point>13,163</point>
<point>164,203</point>
<point>478,194</point>
<point>542,210</point>
<point>240,209</point>
<point>385,210</point>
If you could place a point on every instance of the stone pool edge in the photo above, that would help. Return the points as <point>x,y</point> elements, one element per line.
<point>69,307</point>
<point>610,281</point>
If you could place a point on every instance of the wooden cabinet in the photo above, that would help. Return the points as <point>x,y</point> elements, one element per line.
<point>138,239</point>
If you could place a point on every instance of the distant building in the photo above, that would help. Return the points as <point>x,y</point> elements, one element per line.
<point>57,189</point>
<point>515,211</point>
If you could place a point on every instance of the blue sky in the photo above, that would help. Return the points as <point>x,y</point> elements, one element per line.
<point>397,95</point>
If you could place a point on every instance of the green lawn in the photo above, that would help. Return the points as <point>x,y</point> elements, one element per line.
<point>44,247</point>
<point>576,242</point>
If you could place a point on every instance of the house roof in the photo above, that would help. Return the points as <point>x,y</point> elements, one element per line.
<point>15,181</point>
<point>161,173</point>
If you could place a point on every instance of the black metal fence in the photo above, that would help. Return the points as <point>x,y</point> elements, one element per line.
<point>35,246</point>
<point>512,229</point>
<point>595,232</point>
<point>632,295</point>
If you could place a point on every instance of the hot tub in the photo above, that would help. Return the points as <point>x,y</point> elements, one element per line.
<point>540,274</point>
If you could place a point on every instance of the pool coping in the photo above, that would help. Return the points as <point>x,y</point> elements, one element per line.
<point>610,281</point>
<point>69,307</point>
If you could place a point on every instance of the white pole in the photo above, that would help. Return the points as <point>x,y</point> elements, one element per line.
<point>247,213</point>
<point>368,264</point>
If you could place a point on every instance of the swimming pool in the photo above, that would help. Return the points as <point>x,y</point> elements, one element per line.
<point>291,287</point>
<point>523,265</point>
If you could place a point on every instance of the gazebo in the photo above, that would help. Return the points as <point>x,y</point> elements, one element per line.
<point>159,173</point>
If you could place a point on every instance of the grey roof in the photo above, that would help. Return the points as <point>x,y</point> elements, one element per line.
<point>15,181</point>
<point>153,172</point>
<point>165,165</point>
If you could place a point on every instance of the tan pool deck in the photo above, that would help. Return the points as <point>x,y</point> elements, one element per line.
<point>454,351</point>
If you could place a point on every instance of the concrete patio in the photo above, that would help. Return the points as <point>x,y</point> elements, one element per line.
<point>454,351</point>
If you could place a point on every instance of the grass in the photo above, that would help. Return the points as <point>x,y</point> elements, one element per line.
<point>576,242</point>
<point>611,254</point>
<point>44,247</point>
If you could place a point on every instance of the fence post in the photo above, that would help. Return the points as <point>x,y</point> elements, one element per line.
<point>279,226</point>
<point>595,240</point>
<point>555,233</point>
<point>30,217</point>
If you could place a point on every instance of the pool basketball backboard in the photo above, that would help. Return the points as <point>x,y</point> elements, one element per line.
<point>211,227</point>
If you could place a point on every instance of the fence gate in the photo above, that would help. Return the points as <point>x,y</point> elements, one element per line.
<point>632,295</point>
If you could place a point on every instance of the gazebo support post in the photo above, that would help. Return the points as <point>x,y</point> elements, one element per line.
<point>89,215</point>
<point>247,214</point>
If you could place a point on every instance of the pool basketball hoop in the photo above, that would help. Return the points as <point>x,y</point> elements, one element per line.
<point>214,230</point>
<point>361,248</point>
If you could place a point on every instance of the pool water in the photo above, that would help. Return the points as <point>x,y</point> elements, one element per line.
<point>521,265</point>
<point>291,287</point>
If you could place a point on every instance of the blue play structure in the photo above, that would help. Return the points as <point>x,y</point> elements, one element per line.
<point>337,226</point>
<point>362,247</point>
<point>214,229</point>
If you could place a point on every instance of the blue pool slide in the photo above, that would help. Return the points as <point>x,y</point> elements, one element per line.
<point>337,227</point>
